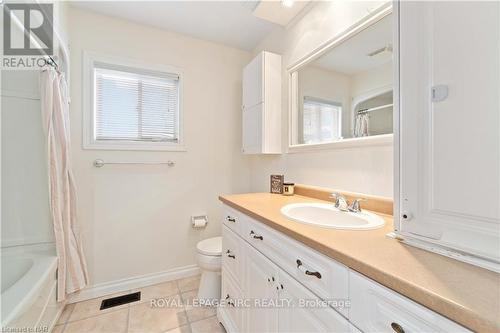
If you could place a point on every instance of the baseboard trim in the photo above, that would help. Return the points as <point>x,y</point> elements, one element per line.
<point>116,286</point>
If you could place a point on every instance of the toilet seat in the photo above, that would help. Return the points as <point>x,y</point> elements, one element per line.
<point>210,246</point>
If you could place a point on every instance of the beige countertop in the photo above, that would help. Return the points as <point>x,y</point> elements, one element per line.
<point>467,294</point>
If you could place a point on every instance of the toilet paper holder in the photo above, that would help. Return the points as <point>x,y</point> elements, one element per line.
<point>199,221</point>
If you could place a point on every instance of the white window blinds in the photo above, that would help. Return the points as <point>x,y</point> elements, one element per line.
<point>135,105</point>
<point>321,121</point>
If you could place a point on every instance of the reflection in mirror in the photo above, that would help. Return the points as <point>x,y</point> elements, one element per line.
<point>347,91</point>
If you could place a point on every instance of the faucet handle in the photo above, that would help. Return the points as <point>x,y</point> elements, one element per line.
<point>340,201</point>
<point>355,207</point>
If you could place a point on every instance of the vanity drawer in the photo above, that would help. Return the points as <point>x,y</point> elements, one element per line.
<point>232,257</point>
<point>313,317</point>
<point>230,313</point>
<point>233,219</point>
<point>322,275</point>
<point>375,308</point>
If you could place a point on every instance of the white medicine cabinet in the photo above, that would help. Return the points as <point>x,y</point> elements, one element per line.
<point>447,141</point>
<point>262,105</point>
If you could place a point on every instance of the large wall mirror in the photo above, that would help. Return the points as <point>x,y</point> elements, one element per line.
<point>344,93</point>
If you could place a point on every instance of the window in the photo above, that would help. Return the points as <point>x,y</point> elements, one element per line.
<point>321,121</point>
<point>132,108</point>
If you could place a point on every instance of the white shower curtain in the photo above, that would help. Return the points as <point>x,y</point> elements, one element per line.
<point>72,268</point>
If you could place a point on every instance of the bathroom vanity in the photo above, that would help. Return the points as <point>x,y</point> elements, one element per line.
<point>371,283</point>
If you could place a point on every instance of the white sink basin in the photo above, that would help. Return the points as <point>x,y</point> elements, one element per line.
<point>326,215</point>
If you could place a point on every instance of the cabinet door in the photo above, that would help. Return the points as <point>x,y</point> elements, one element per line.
<point>305,312</point>
<point>260,289</point>
<point>252,129</point>
<point>231,312</point>
<point>232,256</point>
<point>253,82</point>
<point>449,124</point>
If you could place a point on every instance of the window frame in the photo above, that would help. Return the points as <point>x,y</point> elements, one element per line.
<point>315,100</point>
<point>88,98</point>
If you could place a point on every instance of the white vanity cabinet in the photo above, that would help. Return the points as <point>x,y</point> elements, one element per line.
<point>281,305</point>
<point>259,264</point>
<point>449,137</point>
<point>262,105</point>
<point>259,267</point>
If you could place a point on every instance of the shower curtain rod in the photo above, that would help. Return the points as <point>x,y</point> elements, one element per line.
<point>375,108</point>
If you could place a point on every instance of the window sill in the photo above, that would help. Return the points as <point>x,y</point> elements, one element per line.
<point>137,146</point>
<point>376,140</point>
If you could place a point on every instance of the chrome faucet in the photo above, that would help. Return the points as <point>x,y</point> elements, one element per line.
<point>355,206</point>
<point>342,205</point>
<point>340,201</point>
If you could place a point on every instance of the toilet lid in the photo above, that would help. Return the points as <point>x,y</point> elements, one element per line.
<point>210,246</point>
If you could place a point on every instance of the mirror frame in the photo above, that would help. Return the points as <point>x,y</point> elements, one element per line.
<point>376,140</point>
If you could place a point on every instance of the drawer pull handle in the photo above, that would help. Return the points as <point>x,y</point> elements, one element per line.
<point>230,219</point>
<point>307,272</point>
<point>316,274</point>
<point>230,255</point>
<point>254,235</point>
<point>397,328</point>
<point>228,300</point>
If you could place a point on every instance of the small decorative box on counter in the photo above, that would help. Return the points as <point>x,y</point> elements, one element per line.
<point>277,184</point>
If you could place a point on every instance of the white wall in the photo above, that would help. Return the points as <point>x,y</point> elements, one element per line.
<point>136,219</point>
<point>367,169</point>
<point>375,78</point>
<point>25,191</point>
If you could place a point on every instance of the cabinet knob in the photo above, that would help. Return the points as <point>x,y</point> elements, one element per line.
<point>397,328</point>
<point>230,219</point>
<point>406,216</point>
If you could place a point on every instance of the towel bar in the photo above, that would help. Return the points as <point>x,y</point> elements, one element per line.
<point>99,163</point>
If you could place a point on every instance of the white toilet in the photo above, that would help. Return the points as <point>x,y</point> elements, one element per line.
<point>209,260</point>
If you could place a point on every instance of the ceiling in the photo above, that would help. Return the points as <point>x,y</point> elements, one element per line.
<point>227,22</point>
<point>351,56</point>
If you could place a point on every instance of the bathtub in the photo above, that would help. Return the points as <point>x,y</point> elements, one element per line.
<point>28,290</point>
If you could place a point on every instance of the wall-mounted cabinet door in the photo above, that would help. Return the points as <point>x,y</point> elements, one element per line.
<point>253,82</point>
<point>252,133</point>
<point>262,105</point>
<point>261,281</point>
<point>449,124</point>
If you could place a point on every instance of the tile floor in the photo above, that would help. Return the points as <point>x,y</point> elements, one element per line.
<point>141,316</point>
